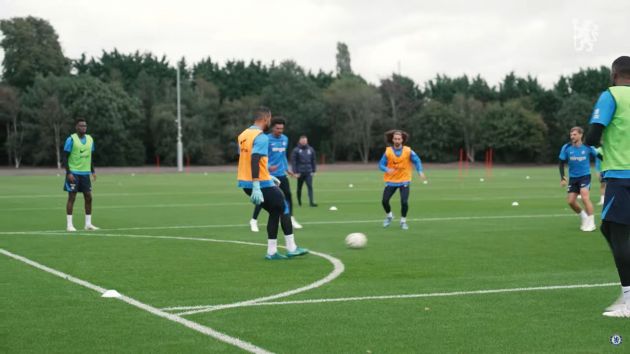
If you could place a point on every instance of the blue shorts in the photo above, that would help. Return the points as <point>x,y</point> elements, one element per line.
<point>81,184</point>
<point>617,201</point>
<point>577,183</point>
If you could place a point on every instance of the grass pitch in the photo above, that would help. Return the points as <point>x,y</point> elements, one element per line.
<point>472,274</point>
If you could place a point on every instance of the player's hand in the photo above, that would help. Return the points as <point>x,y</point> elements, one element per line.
<point>70,178</point>
<point>257,196</point>
<point>291,174</point>
<point>423,176</point>
<point>273,168</point>
<point>94,177</point>
<point>296,175</point>
<point>275,181</point>
<point>563,182</point>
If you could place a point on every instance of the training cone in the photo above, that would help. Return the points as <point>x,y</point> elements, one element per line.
<point>514,203</point>
<point>111,293</point>
<point>333,208</point>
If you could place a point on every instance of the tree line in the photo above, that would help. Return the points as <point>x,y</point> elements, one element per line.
<point>129,100</point>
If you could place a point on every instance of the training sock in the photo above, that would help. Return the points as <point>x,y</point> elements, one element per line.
<point>601,199</point>
<point>88,219</point>
<point>69,220</point>
<point>402,220</point>
<point>390,215</point>
<point>583,214</point>
<point>272,246</point>
<point>290,242</point>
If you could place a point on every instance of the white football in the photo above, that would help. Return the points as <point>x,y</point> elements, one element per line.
<point>356,240</point>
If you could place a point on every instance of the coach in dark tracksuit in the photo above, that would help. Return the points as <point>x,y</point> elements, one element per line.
<point>303,165</point>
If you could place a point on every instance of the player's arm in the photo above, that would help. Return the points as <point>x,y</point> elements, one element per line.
<point>92,170</point>
<point>256,167</point>
<point>418,163</point>
<point>382,164</point>
<point>294,162</point>
<point>563,159</point>
<point>600,118</point>
<point>65,157</point>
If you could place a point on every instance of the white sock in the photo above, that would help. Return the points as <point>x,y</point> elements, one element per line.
<point>88,220</point>
<point>583,215</point>
<point>402,220</point>
<point>69,220</point>
<point>253,221</point>
<point>625,290</point>
<point>272,246</point>
<point>601,199</point>
<point>390,215</point>
<point>290,242</point>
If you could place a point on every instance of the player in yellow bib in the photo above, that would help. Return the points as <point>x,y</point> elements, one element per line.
<point>255,180</point>
<point>398,163</point>
<point>77,159</point>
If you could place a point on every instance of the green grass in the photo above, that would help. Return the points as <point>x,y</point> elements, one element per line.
<point>500,247</point>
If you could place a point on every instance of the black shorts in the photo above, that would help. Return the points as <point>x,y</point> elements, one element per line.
<point>577,183</point>
<point>82,184</point>
<point>617,201</point>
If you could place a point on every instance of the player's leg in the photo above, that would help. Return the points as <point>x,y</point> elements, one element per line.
<point>585,186</point>
<point>404,206</point>
<point>253,223</point>
<point>388,192</point>
<point>573,191</point>
<point>276,197</point>
<point>616,229</point>
<point>272,223</point>
<point>300,183</point>
<point>72,196</point>
<point>85,186</point>
<point>71,188</point>
<point>309,186</point>
<point>288,198</point>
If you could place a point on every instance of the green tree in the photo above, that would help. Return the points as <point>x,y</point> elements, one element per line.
<point>354,107</point>
<point>469,112</point>
<point>10,116</point>
<point>514,132</point>
<point>31,48</point>
<point>590,82</point>
<point>440,136</point>
<point>575,110</point>
<point>343,60</point>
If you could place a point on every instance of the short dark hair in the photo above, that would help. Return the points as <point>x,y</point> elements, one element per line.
<point>261,112</point>
<point>303,136</point>
<point>389,135</point>
<point>79,120</point>
<point>277,120</point>
<point>621,66</point>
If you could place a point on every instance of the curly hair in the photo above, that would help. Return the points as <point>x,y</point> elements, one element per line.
<point>389,135</point>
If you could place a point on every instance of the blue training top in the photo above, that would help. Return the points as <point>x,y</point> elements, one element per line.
<point>67,147</point>
<point>278,163</point>
<point>603,114</point>
<point>579,159</point>
<point>382,165</point>
<point>261,147</point>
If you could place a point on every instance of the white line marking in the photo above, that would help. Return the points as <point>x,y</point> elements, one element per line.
<point>215,226</point>
<point>389,297</point>
<point>338,267</point>
<point>190,324</point>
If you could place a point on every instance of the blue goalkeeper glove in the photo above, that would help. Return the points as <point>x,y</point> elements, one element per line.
<point>276,181</point>
<point>257,196</point>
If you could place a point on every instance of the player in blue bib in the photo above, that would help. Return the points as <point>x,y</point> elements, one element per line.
<point>279,168</point>
<point>578,156</point>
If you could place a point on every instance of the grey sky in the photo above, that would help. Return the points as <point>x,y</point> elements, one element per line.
<point>490,38</point>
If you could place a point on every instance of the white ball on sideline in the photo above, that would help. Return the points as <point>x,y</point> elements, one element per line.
<point>356,240</point>
<point>527,177</point>
<point>481,179</point>
<point>351,185</point>
<point>425,182</point>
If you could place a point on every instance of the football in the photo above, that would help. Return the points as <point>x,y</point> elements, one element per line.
<point>356,240</point>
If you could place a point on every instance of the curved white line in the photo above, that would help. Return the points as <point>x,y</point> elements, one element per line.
<point>338,268</point>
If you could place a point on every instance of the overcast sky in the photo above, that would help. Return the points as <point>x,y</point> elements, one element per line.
<point>421,38</point>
